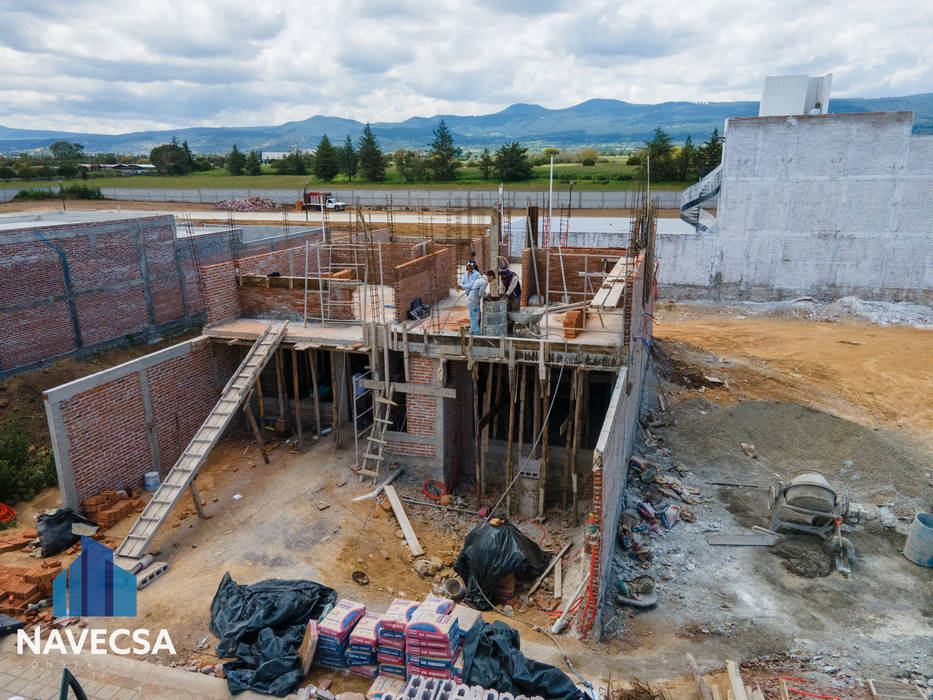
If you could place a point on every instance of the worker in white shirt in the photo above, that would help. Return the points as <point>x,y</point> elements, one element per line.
<point>474,299</point>
<point>471,277</point>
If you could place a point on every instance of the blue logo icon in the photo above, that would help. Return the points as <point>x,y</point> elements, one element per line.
<point>93,586</point>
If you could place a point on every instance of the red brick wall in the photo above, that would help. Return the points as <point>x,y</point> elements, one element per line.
<point>429,278</point>
<point>421,412</point>
<point>221,300</point>
<point>285,297</point>
<point>105,428</point>
<point>575,260</point>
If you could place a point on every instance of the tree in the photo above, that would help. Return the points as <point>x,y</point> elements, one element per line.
<point>372,163</point>
<point>45,172</point>
<point>25,172</point>
<point>686,161</point>
<point>235,162</point>
<point>189,157</point>
<point>6,172</point>
<point>548,152</point>
<point>511,163</point>
<point>411,165</point>
<point>67,171</point>
<point>349,160</point>
<point>657,158</point>
<point>486,164</point>
<point>170,159</point>
<point>292,164</point>
<point>443,157</point>
<point>66,152</point>
<point>253,164</point>
<point>203,163</point>
<point>588,156</point>
<point>326,160</point>
<point>710,153</point>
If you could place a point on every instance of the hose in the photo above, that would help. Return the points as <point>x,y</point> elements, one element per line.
<point>441,489</point>
<point>7,514</point>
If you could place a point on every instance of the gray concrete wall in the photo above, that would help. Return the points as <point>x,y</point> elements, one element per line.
<point>399,198</point>
<point>825,206</point>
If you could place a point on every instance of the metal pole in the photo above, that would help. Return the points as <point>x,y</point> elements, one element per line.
<point>305,314</point>
<point>320,284</point>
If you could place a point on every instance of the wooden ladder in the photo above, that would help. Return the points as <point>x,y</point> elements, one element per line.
<point>375,451</point>
<point>185,469</point>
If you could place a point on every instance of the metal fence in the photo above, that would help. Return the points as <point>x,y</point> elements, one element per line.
<point>400,198</point>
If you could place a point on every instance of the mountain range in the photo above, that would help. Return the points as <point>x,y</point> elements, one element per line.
<point>599,123</point>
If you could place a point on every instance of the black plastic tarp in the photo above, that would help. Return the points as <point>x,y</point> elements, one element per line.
<point>489,554</point>
<point>492,658</point>
<point>262,625</point>
<point>54,530</point>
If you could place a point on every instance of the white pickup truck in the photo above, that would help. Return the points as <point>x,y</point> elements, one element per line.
<point>312,200</point>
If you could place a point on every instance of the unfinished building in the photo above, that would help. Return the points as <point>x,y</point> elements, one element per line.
<point>364,338</point>
<point>88,280</point>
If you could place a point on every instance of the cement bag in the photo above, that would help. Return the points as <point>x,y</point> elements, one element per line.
<point>490,553</point>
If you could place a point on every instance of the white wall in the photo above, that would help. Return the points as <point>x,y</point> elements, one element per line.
<point>825,205</point>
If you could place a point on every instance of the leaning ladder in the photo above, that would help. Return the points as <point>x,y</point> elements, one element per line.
<point>375,452</point>
<point>185,469</point>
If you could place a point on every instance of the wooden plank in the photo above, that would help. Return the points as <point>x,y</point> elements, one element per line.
<point>617,270</point>
<point>557,557</point>
<point>742,540</point>
<point>559,580</point>
<point>297,399</point>
<point>312,362</point>
<point>410,537</point>
<point>407,388</point>
<point>705,693</point>
<point>615,294</point>
<point>735,681</point>
<point>508,448</point>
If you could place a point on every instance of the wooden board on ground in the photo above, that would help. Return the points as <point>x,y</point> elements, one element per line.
<point>735,681</point>
<point>892,690</point>
<point>557,557</point>
<point>410,537</point>
<point>743,540</point>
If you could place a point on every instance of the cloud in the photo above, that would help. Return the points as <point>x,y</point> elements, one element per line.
<point>127,65</point>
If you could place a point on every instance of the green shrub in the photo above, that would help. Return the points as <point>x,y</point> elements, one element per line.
<point>31,194</point>
<point>24,470</point>
<point>83,192</point>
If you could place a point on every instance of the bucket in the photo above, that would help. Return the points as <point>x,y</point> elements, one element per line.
<point>919,545</point>
<point>151,481</point>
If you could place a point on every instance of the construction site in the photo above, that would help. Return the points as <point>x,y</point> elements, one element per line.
<point>520,451</point>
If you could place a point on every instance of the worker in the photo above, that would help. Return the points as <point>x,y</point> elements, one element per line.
<point>471,277</point>
<point>512,288</point>
<point>475,296</point>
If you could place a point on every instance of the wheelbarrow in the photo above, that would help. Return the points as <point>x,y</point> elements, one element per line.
<point>526,322</point>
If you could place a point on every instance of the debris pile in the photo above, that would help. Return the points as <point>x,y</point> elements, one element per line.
<point>248,204</point>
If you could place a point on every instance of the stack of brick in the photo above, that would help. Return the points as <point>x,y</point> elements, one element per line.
<point>16,593</point>
<point>573,323</point>
<point>17,540</point>
<point>107,508</point>
<point>43,576</point>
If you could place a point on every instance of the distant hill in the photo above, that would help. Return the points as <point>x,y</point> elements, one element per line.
<point>599,123</point>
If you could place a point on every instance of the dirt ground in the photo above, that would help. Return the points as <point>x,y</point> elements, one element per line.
<point>851,400</point>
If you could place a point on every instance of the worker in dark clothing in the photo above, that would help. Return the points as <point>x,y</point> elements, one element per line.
<point>511,288</point>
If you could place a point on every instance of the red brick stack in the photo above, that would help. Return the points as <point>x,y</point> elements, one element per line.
<point>573,323</point>
<point>107,508</point>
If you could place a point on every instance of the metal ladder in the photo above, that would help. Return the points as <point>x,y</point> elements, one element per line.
<point>185,469</point>
<point>375,452</point>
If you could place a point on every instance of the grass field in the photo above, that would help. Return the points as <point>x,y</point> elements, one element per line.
<point>601,176</point>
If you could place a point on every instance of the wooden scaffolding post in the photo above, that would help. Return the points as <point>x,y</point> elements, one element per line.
<point>542,483</point>
<point>571,402</point>
<point>312,362</point>
<point>262,405</point>
<point>196,497</point>
<point>280,385</point>
<point>535,443</point>
<point>495,425</point>
<point>297,399</point>
<point>509,459</point>
<point>256,431</point>
<point>335,394</point>
<point>581,383</point>
<point>521,413</point>
<point>476,443</point>
<point>487,398</point>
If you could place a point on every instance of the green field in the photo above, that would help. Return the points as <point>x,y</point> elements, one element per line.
<point>598,177</point>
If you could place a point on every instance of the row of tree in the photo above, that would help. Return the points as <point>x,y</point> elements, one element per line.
<point>685,164</point>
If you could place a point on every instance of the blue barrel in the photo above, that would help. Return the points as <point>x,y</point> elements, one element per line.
<point>919,545</point>
<point>151,481</point>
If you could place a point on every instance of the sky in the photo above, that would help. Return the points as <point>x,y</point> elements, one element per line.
<point>113,66</point>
